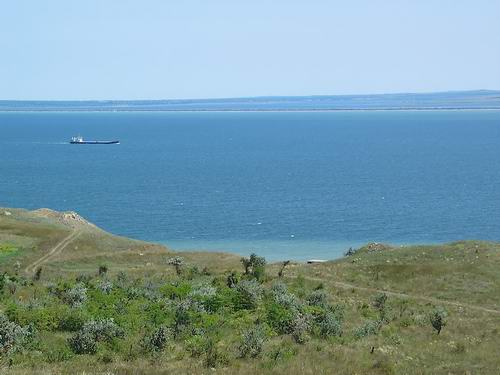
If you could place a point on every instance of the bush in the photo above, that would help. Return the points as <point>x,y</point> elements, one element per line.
<point>438,319</point>
<point>329,325</point>
<point>232,280</point>
<point>196,345</point>
<point>350,252</point>
<point>83,343</point>
<point>84,278</point>
<point>300,328</point>
<point>251,343</point>
<point>38,274</point>
<point>103,329</point>
<point>71,320</point>
<point>76,296</point>
<point>284,298</point>
<point>55,355</point>
<point>106,286</point>
<point>379,301</point>
<point>157,340</point>
<point>371,327</point>
<point>182,317</point>
<point>206,296</point>
<point>318,298</point>
<point>177,262</point>
<point>214,357</point>
<point>121,279</point>
<point>254,266</point>
<point>248,294</point>
<point>103,269</point>
<point>280,318</point>
<point>13,337</point>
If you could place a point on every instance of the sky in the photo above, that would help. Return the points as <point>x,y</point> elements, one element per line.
<point>166,49</point>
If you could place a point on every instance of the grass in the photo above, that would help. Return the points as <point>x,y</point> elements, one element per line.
<point>461,277</point>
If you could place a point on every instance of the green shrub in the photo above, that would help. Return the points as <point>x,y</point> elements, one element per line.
<point>42,318</point>
<point>371,327</point>
<point>84,278</point>
<point>13,337</point>
<point>300,328</point>
<point>279,318</point>
<point>254,266</point>
<point>177,290</point>
<point>252,342</point>
<point>329,325</point>
<point>103,269</point>
<point>55,355</point>
<point>83,342</point>
<point>438,319</point>
<point>282,297</point>
<point>281,352</point>
<point>379,301</point>
<point>71,320</point>
<point>177,262</point>
<point>318,298</point>
<point>76,296</point>
<point>248,294</point>
<point>106,286</point>
<point>214,357</point>
<point>103,329</point>
<point>157,340</point>
<point>196,345</point>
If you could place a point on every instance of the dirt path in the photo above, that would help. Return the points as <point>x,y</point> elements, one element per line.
<point>53,252</point>
<point>410,296</point>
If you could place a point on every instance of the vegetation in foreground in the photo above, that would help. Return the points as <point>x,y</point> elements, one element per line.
<point>379,310</point>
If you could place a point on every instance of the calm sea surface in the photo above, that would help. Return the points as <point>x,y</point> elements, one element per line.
<point>285,185</point>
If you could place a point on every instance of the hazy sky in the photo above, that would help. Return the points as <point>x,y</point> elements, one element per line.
<point>153,49</point>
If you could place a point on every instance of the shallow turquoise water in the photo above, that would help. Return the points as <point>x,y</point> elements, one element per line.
<point>285,185</point>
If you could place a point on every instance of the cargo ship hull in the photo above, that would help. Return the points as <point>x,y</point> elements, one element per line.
<point>94,142</point>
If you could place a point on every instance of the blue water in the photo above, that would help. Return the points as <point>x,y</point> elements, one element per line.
<point>285,185</point>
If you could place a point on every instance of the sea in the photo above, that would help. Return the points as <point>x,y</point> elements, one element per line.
<point>285,185</point>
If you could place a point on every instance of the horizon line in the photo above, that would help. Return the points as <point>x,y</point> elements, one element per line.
<point>257,96</point>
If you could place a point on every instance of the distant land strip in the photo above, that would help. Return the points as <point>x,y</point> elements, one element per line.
<point>452,100</point>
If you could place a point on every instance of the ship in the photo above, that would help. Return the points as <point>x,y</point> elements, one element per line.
<point>78,140</point>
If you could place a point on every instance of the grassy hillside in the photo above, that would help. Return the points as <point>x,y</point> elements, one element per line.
<point>369,312</point>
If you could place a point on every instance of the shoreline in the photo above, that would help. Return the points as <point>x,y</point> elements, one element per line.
<point>423,109</point>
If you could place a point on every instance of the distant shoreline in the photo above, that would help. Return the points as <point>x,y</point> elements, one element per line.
<point>249,110</point>
<point>436,101</point>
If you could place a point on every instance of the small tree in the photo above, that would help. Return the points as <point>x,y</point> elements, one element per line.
<point>283,265</point>
<point>17,267</point>
<point>379,301</point>
<point>438,319</point>
<point>246,265</point>
<point>350,252</point>
<point>103,269</point>
<point>37,274</point>
<point>254,266</point>
<point>177,262</point>
<point>232,280</point>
